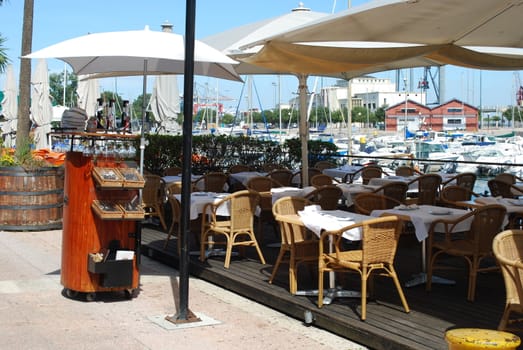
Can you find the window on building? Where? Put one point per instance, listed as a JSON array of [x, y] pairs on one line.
[[454, 121], [454, 109]]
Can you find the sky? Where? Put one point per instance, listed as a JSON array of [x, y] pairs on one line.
[[58, 20]]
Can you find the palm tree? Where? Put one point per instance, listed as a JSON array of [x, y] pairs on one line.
[[22, 130], [3, 56]]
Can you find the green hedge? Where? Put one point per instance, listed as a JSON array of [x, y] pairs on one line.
[[218, 153]]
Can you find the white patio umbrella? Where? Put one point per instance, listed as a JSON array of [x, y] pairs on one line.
[[88, 93], [137, 52], [165, 102], [9, 106], [41, 107]]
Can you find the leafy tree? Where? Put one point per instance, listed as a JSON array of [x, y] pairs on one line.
[[4, 60], [56, 89]]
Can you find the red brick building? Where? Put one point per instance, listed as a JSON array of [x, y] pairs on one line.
[[452, 115]]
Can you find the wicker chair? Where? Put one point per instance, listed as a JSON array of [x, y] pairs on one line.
[[328, 197], [263, 185], [369, 172], [428, 188], [466, 180], [152, 198], [322, 180], [508, 178], [397, 190], [301, 247], [175, 223], [378, 248], [311, 173], [365, 203], [271, 167], [499, 188], [406, 171], [283, 176], [508, 250], [213, 182], [473, 245], [237, 229], [449, 195], [325, 164]]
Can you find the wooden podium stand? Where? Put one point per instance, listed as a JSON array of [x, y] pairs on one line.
[[90, 239]]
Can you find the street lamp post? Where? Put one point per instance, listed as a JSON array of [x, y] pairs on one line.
[[406, 109]]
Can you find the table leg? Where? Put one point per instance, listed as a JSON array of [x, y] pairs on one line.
[[421, 278]]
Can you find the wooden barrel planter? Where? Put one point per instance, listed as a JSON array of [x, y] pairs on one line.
[[31, 200]]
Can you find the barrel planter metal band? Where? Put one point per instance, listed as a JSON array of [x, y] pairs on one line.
[[31, 200]]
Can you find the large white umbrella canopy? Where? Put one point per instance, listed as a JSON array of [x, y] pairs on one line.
[[137, 52], [88, 93], [9, 105], [41, 107], [232, 42], [165, 102]]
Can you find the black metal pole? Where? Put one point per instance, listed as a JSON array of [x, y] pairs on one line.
[[188, 83]]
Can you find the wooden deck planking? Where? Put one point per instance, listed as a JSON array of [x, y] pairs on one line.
[[387, 325]]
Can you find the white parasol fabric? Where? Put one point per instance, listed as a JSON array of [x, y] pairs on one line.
[[41, 107], [88, 94], [137, 52], [9, 106], [165, 102]]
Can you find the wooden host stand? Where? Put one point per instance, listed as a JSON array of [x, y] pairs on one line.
[[98, 220]]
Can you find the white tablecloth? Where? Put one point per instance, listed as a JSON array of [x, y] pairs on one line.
[[244, 176], [393, 178], [280, 192], [352, 190], [422, 217], [199, 199], [318, 220], [341, 172]]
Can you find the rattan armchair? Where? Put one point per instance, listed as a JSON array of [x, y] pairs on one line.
[[311, 173], [172, 171], [508, 178], [325, 164], [396, 189], [322, 180], [297, 243], [237, 230], [328, 197], [213, 182], [508, 250], [238, 168], [366, 202], [263, 185], [152, 198], [379, 241], [428, 188], [174, 229], [367, 173], [500, 188], [283, 176], [449, 195], [466, 180], [406, 171], [473, 245]]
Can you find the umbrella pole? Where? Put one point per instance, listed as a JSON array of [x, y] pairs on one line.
[[184, 314], [144, 112], [304, 129]]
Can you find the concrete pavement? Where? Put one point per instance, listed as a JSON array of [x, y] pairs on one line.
[[35, 315]]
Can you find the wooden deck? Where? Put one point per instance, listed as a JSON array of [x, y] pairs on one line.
[[387, 325]]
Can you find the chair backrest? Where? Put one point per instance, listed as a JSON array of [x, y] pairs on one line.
[[466, 180], [404, 171], [173, 188], [455, 193], [271, 167], [238, 168], [328, 197], [508, 250], [500, 188], [325, 164], [283, 176], [172, 171], [312, 172], [290, 232], [397, 190], [506, 177], [214, 181], [242, 208], [379, 240], [487, 223], [365, 203], [370, 172], [261, 183], [428, 187], [152, 190], [321, 180]]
